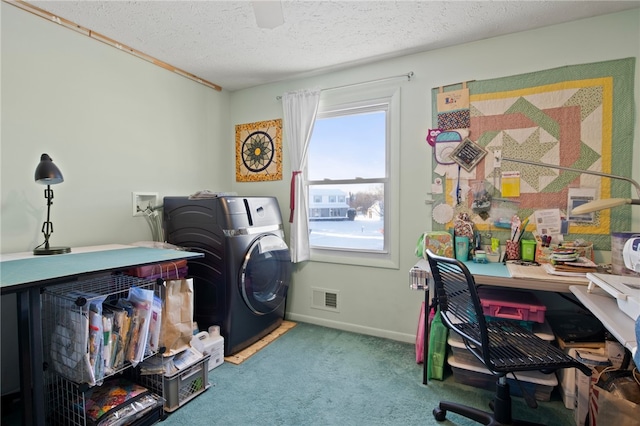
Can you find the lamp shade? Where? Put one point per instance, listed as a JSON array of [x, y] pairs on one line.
[[596, 204], [607, 203], [48, 173]]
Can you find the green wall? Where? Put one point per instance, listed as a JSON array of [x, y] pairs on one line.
[[378, 301], [115, 124]]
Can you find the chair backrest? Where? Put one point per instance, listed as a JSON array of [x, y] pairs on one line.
[[460, 306]]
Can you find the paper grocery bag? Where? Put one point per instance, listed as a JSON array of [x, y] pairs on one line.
[[605, 408], [177, 316]]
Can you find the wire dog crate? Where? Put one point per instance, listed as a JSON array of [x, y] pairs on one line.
[[75, 358]]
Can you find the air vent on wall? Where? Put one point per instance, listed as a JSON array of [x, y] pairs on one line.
[[324, 299]]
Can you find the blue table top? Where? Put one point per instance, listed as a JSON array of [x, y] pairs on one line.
[[18, 274], [489, 269], [497, 269]]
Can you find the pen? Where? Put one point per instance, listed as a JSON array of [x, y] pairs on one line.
[[523, 228]]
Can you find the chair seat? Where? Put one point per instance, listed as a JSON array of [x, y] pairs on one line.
[[514, 348]]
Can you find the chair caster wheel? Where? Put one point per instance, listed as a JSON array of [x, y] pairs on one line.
[[439, 415]]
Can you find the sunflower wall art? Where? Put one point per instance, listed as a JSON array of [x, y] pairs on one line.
[[259, 151]]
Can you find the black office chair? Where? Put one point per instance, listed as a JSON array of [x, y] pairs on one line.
[[502, 346]]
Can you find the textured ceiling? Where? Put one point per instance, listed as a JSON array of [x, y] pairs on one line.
[[220, 42]]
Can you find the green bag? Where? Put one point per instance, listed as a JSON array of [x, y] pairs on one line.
[[437, 348]]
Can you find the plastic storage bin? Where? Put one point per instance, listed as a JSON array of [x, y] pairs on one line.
[[185, 385], [462, 354], [181, 387], [511, 304], [468, 370], [535, 383], [166, 270]]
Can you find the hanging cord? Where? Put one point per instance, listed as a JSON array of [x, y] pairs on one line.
[[634, 373], [175, 267], [154, 220]]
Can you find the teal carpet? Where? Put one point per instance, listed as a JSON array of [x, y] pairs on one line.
[[320, 376]]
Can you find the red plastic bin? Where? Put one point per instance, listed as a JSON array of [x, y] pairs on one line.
[[168, 270], [511, 304]]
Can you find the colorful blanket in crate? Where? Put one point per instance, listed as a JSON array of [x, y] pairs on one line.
[[117, 394]]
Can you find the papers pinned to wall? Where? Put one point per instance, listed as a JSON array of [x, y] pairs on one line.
[[548, 222], [510, 184], [578, 197]]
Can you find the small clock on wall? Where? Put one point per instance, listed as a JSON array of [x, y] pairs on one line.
[[259, 151]]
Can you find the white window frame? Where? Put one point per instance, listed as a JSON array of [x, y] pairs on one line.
[[332, 102]]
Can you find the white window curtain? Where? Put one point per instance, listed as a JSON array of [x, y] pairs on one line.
[[300, 109]]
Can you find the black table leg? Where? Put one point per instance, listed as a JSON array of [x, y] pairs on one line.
[[31, 359]]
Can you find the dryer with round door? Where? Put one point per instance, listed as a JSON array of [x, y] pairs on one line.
[[241, 282]]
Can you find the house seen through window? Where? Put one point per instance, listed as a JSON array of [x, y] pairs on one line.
[[347, 177]]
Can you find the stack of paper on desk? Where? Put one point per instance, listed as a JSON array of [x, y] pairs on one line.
[[582, 264], [579, 267]]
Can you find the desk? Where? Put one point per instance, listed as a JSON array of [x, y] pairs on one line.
[[605, 308], [498, 274], [25, 275], [517, 276]]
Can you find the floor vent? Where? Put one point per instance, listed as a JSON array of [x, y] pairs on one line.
[[325, 299]]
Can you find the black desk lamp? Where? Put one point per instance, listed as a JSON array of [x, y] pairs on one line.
[[48, 174]]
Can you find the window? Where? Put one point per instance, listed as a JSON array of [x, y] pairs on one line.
[[349, 176]]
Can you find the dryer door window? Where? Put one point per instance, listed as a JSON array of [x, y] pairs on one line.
[[265, 274]]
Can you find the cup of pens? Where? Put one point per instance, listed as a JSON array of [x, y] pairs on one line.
[[512, 251]]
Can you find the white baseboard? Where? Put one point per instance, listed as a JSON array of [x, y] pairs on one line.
[[378, 332]]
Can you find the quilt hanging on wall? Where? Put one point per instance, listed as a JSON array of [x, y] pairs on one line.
[[259, 151], [578, 116]]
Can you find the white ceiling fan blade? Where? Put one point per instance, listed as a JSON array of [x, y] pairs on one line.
[[268, 13]]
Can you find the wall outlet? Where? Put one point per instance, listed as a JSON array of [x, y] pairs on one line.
[[142, 201]]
